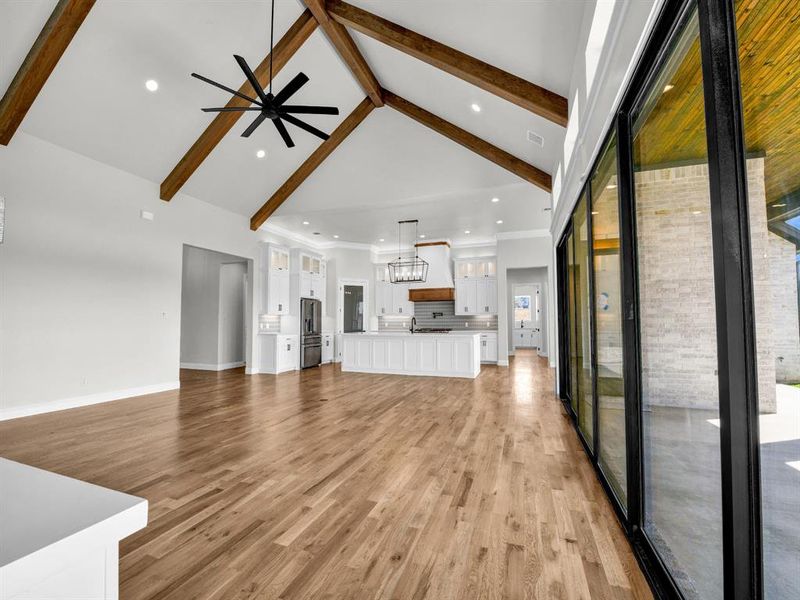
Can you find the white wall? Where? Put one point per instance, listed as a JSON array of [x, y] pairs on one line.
[[522, 253], [518, 277], [612, 36], [347, 263], [90, 294], [212, 323]]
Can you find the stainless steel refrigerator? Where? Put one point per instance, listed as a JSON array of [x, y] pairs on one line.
[[310, 333]]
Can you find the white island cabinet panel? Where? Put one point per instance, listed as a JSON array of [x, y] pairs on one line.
[[60, 536], [444, 355]]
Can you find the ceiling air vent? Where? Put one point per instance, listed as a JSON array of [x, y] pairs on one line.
[[535, 138]]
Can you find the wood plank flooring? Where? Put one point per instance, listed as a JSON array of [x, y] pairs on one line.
[[323, 484]]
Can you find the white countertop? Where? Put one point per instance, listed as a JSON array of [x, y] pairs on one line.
[[409, 334], [39, 509]]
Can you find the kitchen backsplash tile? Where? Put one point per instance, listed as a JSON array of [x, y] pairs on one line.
[[423, 311]]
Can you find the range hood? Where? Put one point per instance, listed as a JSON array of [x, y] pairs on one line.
[[439, 284]]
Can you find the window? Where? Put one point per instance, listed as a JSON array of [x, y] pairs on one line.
[[583, 359], [522, 308], [608, 320], [678, 345]]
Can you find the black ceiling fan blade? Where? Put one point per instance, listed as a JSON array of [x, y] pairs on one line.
[[251, 77], [306, 126], [284, 134], [226, 88], [231, 109], [299, 109], [254, 125], [295, 84]]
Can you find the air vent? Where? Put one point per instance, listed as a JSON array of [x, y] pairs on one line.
[[535, 138]]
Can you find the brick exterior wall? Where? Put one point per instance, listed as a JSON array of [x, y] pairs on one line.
[[676, 290]]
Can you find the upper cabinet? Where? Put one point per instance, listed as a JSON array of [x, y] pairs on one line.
[[476, 286], [391, 298], [468, 268], [275, 290], [312, 276]]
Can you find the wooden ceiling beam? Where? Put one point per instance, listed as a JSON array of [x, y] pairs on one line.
[[55, 36], [322, 152], [501, 83], [500, 157], [347, 50], [294, 38]]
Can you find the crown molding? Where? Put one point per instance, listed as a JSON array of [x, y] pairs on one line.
[[519, 235]]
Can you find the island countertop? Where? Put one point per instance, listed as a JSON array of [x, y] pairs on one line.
[[60, 535], [451, 354]]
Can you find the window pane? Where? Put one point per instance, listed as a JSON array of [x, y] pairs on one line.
[[608, 320], [583, 358], [573, 344], [769, 47], [679, 381]]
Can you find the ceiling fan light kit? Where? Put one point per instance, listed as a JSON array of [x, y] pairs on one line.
[[271, 106]]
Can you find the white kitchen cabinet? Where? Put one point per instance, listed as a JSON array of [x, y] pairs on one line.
[[279, 353], [486, 294], [476, 286], [327, 347], [401, 305], [446, 355], [466, 301], [489, 347], [275, 280], [392, 299], [524, 337], [278, 293]]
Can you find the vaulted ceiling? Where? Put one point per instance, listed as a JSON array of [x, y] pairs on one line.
[[389, 167]]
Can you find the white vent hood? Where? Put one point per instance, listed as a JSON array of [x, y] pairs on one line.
[[440, 273]]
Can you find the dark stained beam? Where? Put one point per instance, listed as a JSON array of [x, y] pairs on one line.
[[298, 33], [500, 157], [312, 162], [45, 53], [528, 95], [347, 50]]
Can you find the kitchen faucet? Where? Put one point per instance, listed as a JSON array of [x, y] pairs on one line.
[[413, 323]]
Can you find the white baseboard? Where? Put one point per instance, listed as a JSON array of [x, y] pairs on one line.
[[502, 363], [77, 401], [251, 371], [212, 367]]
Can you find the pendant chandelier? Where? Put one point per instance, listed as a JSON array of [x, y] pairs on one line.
[[410, 269]]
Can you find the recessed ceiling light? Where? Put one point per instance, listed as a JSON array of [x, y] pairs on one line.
[[261, 154], [467, 231], [381, 240], [336, 237], [594, 212], [305, 222], [151, 85], [695, 212], [668, 87], [499, 221], [611, 186], [422, 235], [475, 107], [495, 199], [778, 205]]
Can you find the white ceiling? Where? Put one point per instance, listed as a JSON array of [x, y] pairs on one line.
[[389, 168]]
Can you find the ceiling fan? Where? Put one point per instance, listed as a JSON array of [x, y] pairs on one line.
[[272, 106]]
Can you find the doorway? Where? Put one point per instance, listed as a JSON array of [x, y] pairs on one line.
[[527, 325], [353, 309], [215, 292]]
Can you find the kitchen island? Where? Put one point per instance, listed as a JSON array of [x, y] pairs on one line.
[[59, 536], [454, 354]]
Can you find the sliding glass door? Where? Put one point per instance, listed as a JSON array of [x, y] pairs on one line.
[[583, 339], [608, 320]]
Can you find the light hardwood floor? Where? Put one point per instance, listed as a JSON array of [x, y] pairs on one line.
[[323, 484]]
